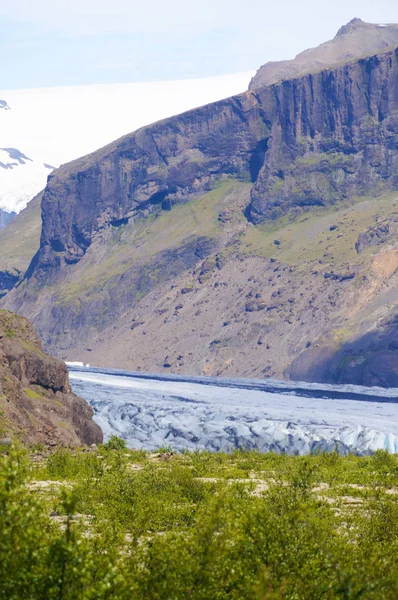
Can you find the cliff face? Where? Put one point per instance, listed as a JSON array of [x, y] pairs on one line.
[[139, 231], [305, 142], [36, 401], [334, 136], [165, 164]]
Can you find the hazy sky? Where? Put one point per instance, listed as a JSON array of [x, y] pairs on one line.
[[58, 42]]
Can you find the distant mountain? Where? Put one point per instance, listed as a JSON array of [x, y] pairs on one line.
[[255, 236], [353, 41], [43, 128]]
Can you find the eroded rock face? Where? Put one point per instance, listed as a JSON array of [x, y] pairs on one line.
[[334, 135], [306, 142], [384, 232], [371, 359], [37, 404]]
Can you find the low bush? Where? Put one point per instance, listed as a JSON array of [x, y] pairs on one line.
[[128, 525]]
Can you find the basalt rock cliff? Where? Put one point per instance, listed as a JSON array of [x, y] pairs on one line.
[[253, 205], [36, 401], [306, 142]]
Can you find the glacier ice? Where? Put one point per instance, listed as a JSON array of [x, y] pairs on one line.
[[200, 413]]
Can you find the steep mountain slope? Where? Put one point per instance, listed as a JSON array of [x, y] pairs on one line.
[[36, 402], [254, 236], [19, 241], [36, 136], [5, 218], [353, 41]]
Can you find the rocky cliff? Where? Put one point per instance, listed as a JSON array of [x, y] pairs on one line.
[[204, 204], [306, 142], [36, 401]]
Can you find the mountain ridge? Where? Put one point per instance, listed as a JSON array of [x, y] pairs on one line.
[[283, 181], [357, 39]]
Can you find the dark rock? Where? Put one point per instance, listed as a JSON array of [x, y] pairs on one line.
[[376, 236], [339, 277], [35, 396], [255, 305]]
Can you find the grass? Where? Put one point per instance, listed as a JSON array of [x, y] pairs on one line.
[[138, 242], [21, 239], [33, 395], [309, 238], [125, 524]]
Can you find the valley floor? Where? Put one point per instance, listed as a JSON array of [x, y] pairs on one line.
[[111, 523]]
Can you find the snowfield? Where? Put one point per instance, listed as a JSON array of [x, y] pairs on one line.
[[52, 126], [217, 414]]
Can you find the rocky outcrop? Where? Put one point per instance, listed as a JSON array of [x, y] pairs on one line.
[[36, 401], [334, 136], [384, 232], [370, 359]]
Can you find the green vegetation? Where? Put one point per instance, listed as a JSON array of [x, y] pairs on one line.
[[21, 239], [113, 523], [138, 242], [308, 238], [33, 395]]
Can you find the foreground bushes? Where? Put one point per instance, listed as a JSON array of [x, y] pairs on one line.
[[130, 526]]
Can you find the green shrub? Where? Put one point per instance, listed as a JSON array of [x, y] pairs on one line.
[[115, 443], [130, 526]]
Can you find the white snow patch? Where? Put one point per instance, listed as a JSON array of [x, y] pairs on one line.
[[57, 125], [75, 363]]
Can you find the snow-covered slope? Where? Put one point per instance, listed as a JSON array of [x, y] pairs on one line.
[[43, 128], [219, 414], [20, 178]]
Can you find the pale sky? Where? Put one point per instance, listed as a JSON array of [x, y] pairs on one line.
[[69, 42]]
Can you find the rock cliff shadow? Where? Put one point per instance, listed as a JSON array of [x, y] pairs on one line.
[[370, 360]]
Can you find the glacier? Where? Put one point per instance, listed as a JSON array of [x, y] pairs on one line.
[[150, 411]]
